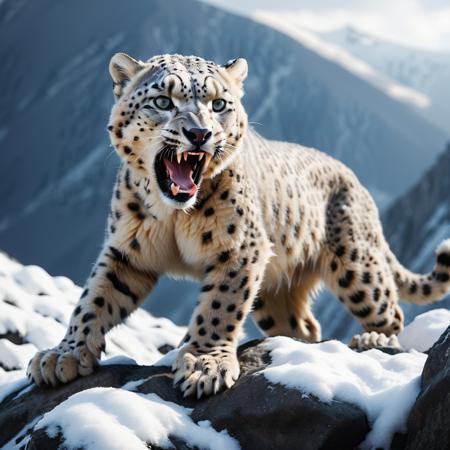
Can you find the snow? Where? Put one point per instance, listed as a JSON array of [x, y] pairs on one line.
[[384, 386], [14, 356], [11, 382], [109, 418], [425, 330]]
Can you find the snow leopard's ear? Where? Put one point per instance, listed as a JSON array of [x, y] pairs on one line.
[[237, 70], [122, 68]]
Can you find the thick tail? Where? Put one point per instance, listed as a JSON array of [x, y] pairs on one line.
[[417, 288]]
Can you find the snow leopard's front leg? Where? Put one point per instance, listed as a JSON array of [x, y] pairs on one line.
[[208, 361], [114, 290]]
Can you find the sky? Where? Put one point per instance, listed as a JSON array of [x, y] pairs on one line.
[[415, 23]]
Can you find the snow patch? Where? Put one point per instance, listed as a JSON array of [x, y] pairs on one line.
[[109, 418], [384, 386], [425, 330], [11, 382], [15, 356]]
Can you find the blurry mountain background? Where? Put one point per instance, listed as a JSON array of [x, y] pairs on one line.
[[379, 106], [427, 72]]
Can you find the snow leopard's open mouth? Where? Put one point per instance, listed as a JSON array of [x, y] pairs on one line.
[[179, 174]]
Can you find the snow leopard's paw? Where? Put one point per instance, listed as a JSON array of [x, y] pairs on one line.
[[372, 339], [205, 374], [59, 365]]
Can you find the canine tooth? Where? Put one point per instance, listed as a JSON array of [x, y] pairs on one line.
[[200, 156], [179, 157], [174, 188], [208, 158], [185, 155]]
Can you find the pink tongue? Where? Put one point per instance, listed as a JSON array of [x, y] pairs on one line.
[[180, 174]]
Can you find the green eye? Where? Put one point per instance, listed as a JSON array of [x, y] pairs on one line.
[[218, 105], [163, 102]]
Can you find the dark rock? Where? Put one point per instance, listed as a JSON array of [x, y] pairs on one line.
[[437, 366], [398, 441], [258, 414], [14, 337], [263, 417], [429, 420], [41, 440], [253, 356], [166, 348]]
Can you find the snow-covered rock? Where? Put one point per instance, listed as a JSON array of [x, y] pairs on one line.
[[383, 386], [130, 406], [128, 420], [289, 391], [425, 330]]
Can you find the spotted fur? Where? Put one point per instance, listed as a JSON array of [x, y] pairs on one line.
[[268, 222]]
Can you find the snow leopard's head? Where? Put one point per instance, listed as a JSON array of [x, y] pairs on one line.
[[177, 119]]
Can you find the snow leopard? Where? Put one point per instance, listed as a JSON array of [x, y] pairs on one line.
[[260, 224]]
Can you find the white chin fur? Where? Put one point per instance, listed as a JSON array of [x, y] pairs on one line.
[[177, 205]]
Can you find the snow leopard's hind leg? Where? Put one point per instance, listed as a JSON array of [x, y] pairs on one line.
[[354, 266], [285, 310]]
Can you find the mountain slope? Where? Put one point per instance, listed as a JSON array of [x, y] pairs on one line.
[[419, 221], [426, 71], [414, 226], [56, 166]]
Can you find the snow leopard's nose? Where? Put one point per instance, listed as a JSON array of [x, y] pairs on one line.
[[197, 136]]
